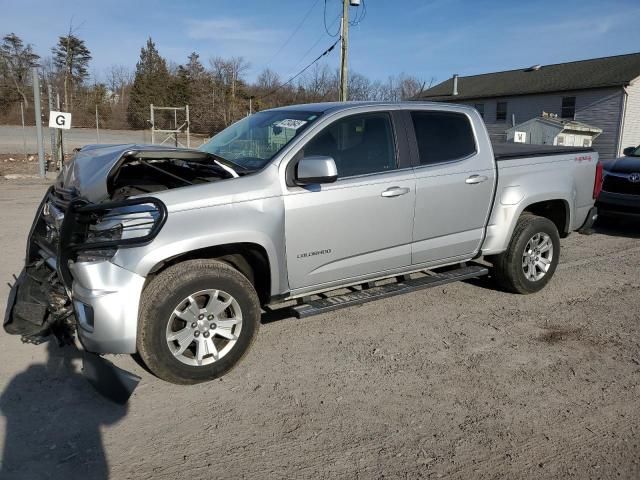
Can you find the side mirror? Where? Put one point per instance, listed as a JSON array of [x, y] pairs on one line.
[[629, 151], [316, 169]]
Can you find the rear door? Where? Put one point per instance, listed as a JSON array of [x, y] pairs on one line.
[[455, 181], [361, 224]]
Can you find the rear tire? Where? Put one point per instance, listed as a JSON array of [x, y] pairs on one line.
[[197, 321], [531, 257]]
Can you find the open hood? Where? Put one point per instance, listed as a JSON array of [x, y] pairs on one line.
[[110, 172]]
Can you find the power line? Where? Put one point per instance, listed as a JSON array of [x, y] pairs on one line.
[[326, 52], [363, 13], [324, 18], [304, 19], [320, 38]]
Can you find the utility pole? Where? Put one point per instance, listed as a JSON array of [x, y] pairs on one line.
[[344, 50]]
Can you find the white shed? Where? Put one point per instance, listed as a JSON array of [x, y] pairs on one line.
[[551, 130]]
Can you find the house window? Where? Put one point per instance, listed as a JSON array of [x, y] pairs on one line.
[[501, 111], [480, 108], [568, 107]]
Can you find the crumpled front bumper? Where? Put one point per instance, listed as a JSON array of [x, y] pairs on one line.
[[106, 299], [99, 298]]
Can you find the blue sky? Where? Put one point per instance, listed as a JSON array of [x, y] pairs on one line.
[[428, 38]]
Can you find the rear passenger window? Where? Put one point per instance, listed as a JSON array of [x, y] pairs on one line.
[[359, 144], [443, 136]]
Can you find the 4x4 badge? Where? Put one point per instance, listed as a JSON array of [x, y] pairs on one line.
[[634, 177]]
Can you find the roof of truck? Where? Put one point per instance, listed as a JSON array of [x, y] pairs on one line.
[[335, 106]]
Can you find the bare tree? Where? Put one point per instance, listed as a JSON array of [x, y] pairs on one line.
[[268, 80], [409, 86], [228, 77], [119, 78]]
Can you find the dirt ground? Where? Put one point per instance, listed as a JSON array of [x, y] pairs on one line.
[[462, 381], [11, 164]]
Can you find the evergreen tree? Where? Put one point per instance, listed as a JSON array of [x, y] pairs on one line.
[[16, 60], [195, 69], [71, 57], [180, 93], [151, 84]]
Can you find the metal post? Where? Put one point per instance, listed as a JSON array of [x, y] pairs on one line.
[[153, 138], [38, 115], [59, 145], [97, 127], [344, 50], [24, 134], [52, 132], [186, 109]]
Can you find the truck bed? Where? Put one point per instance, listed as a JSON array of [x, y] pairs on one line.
[[508, 151]]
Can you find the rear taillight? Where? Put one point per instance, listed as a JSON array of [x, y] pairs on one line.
[[597, 184]]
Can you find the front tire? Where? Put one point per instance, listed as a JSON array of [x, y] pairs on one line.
[[531, 257], [197, 321]]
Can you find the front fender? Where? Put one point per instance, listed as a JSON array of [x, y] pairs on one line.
[[260, 222]]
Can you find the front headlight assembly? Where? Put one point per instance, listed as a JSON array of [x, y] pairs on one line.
[[94, 232]]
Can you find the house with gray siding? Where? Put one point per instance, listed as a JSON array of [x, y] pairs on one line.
[[603, 92]]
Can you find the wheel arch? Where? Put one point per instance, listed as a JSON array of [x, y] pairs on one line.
[[250, 259], [556, 210]]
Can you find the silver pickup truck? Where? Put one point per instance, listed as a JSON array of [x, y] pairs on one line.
[[174, 253]]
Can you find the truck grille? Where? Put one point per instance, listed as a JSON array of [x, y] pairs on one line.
[[46, 230], [620, 184]]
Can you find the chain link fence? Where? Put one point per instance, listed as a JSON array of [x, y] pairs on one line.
[[97, 118]]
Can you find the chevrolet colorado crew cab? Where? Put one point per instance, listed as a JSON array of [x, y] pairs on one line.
[[173, 253]]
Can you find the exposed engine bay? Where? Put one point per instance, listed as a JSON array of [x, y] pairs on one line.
[[99, 173], [147, 172]]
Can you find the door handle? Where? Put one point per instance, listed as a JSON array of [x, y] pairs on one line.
[[395, 192], [474, 179]]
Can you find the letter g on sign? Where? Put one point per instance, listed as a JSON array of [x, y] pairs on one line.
[[59, 120]]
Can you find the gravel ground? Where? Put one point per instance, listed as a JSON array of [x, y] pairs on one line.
[[459, 382]]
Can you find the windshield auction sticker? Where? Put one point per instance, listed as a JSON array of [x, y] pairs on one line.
[[290, 123]]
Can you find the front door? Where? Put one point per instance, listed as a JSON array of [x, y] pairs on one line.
[[361, 224]]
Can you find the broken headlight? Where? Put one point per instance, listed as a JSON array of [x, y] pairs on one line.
[[95, 232]]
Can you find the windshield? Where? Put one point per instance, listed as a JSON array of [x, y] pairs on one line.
[[255, 140]]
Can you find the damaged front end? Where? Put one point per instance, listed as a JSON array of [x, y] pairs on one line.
[[68, 230], [39, 302], [94, 209], [70, 287]]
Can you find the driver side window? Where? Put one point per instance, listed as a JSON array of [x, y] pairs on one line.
[[360, 144]]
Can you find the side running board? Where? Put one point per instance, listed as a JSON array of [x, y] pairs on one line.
[[404, 284]]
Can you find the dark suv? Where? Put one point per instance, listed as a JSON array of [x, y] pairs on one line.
[[620, 195]]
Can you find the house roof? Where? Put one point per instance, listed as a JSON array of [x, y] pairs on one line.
[[595, 73]]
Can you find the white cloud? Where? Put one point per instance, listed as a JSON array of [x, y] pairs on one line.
[[230, 30]]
